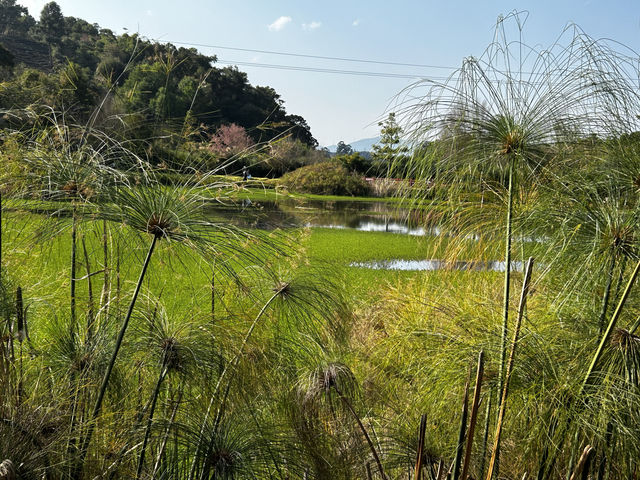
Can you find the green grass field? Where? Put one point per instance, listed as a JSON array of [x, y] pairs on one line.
[[37, 252]]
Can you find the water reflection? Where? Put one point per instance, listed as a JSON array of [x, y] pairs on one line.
[[382, 226], [288, 213], [432, 265]]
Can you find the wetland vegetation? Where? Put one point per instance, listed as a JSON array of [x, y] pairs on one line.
[[166, 320]]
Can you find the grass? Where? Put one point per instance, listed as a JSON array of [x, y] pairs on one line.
[[337, 248], [183, 279], [269, 194]]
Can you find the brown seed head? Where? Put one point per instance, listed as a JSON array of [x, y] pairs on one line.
[[512, 143], [625, 341], [158, 226], [171, 352], [283, 289]]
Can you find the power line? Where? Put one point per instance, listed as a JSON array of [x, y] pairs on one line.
[[321, 57], [326, 70]]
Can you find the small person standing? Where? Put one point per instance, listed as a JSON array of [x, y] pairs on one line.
[[245, 173]]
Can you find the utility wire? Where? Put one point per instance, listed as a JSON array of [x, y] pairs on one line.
[[326, 70], [321, 57]]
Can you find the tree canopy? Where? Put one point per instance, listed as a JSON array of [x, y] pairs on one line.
[[81, 64]]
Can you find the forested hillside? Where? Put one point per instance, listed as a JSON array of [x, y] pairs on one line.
[[153, 90]]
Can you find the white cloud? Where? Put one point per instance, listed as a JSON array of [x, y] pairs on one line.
[[311, 26], [356, 22], [279, 24]]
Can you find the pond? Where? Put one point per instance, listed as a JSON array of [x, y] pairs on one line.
[[367, 216]]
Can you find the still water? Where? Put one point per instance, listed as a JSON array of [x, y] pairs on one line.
[[291, 213], [356, 215]]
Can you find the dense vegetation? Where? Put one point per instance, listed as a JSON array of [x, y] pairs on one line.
[[142, 337], [326, 178], [158, 94]]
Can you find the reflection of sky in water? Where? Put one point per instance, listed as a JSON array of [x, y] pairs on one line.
[[390, 227], [431, 265], [359, 216]]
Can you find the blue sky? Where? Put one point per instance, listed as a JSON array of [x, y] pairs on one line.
[[348, 107]]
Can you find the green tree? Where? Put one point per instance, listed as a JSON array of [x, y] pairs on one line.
[[343, 148], [14, 19], [355, 162], [299, 129], [52, 23], [388, 150]]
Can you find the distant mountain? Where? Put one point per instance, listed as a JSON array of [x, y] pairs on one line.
[[363, 145]]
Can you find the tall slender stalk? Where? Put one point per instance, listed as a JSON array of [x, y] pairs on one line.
[[507, 280], [507, 290], [485, 435], [609, 330], [90, 306], [84, 444], [118, 288], [372, 447], [605, 297], [233, 364], [163, 444], [21, 336], [461, 432], [104, 298], [213, 292], [516, 332], [421, 433], [154, 399], [474, 415], [74, 233]]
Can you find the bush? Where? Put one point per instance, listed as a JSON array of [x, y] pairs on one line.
[[355, 162], [325, 178]]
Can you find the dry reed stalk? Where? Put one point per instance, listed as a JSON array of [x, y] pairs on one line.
[[462, 431], [21, 336], [440, 469], [582, 469], [474, 415], [369, 474], [421, 432]]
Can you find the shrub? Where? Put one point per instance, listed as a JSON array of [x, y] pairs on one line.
[[285, 155], [355, 162], [325, 178]]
